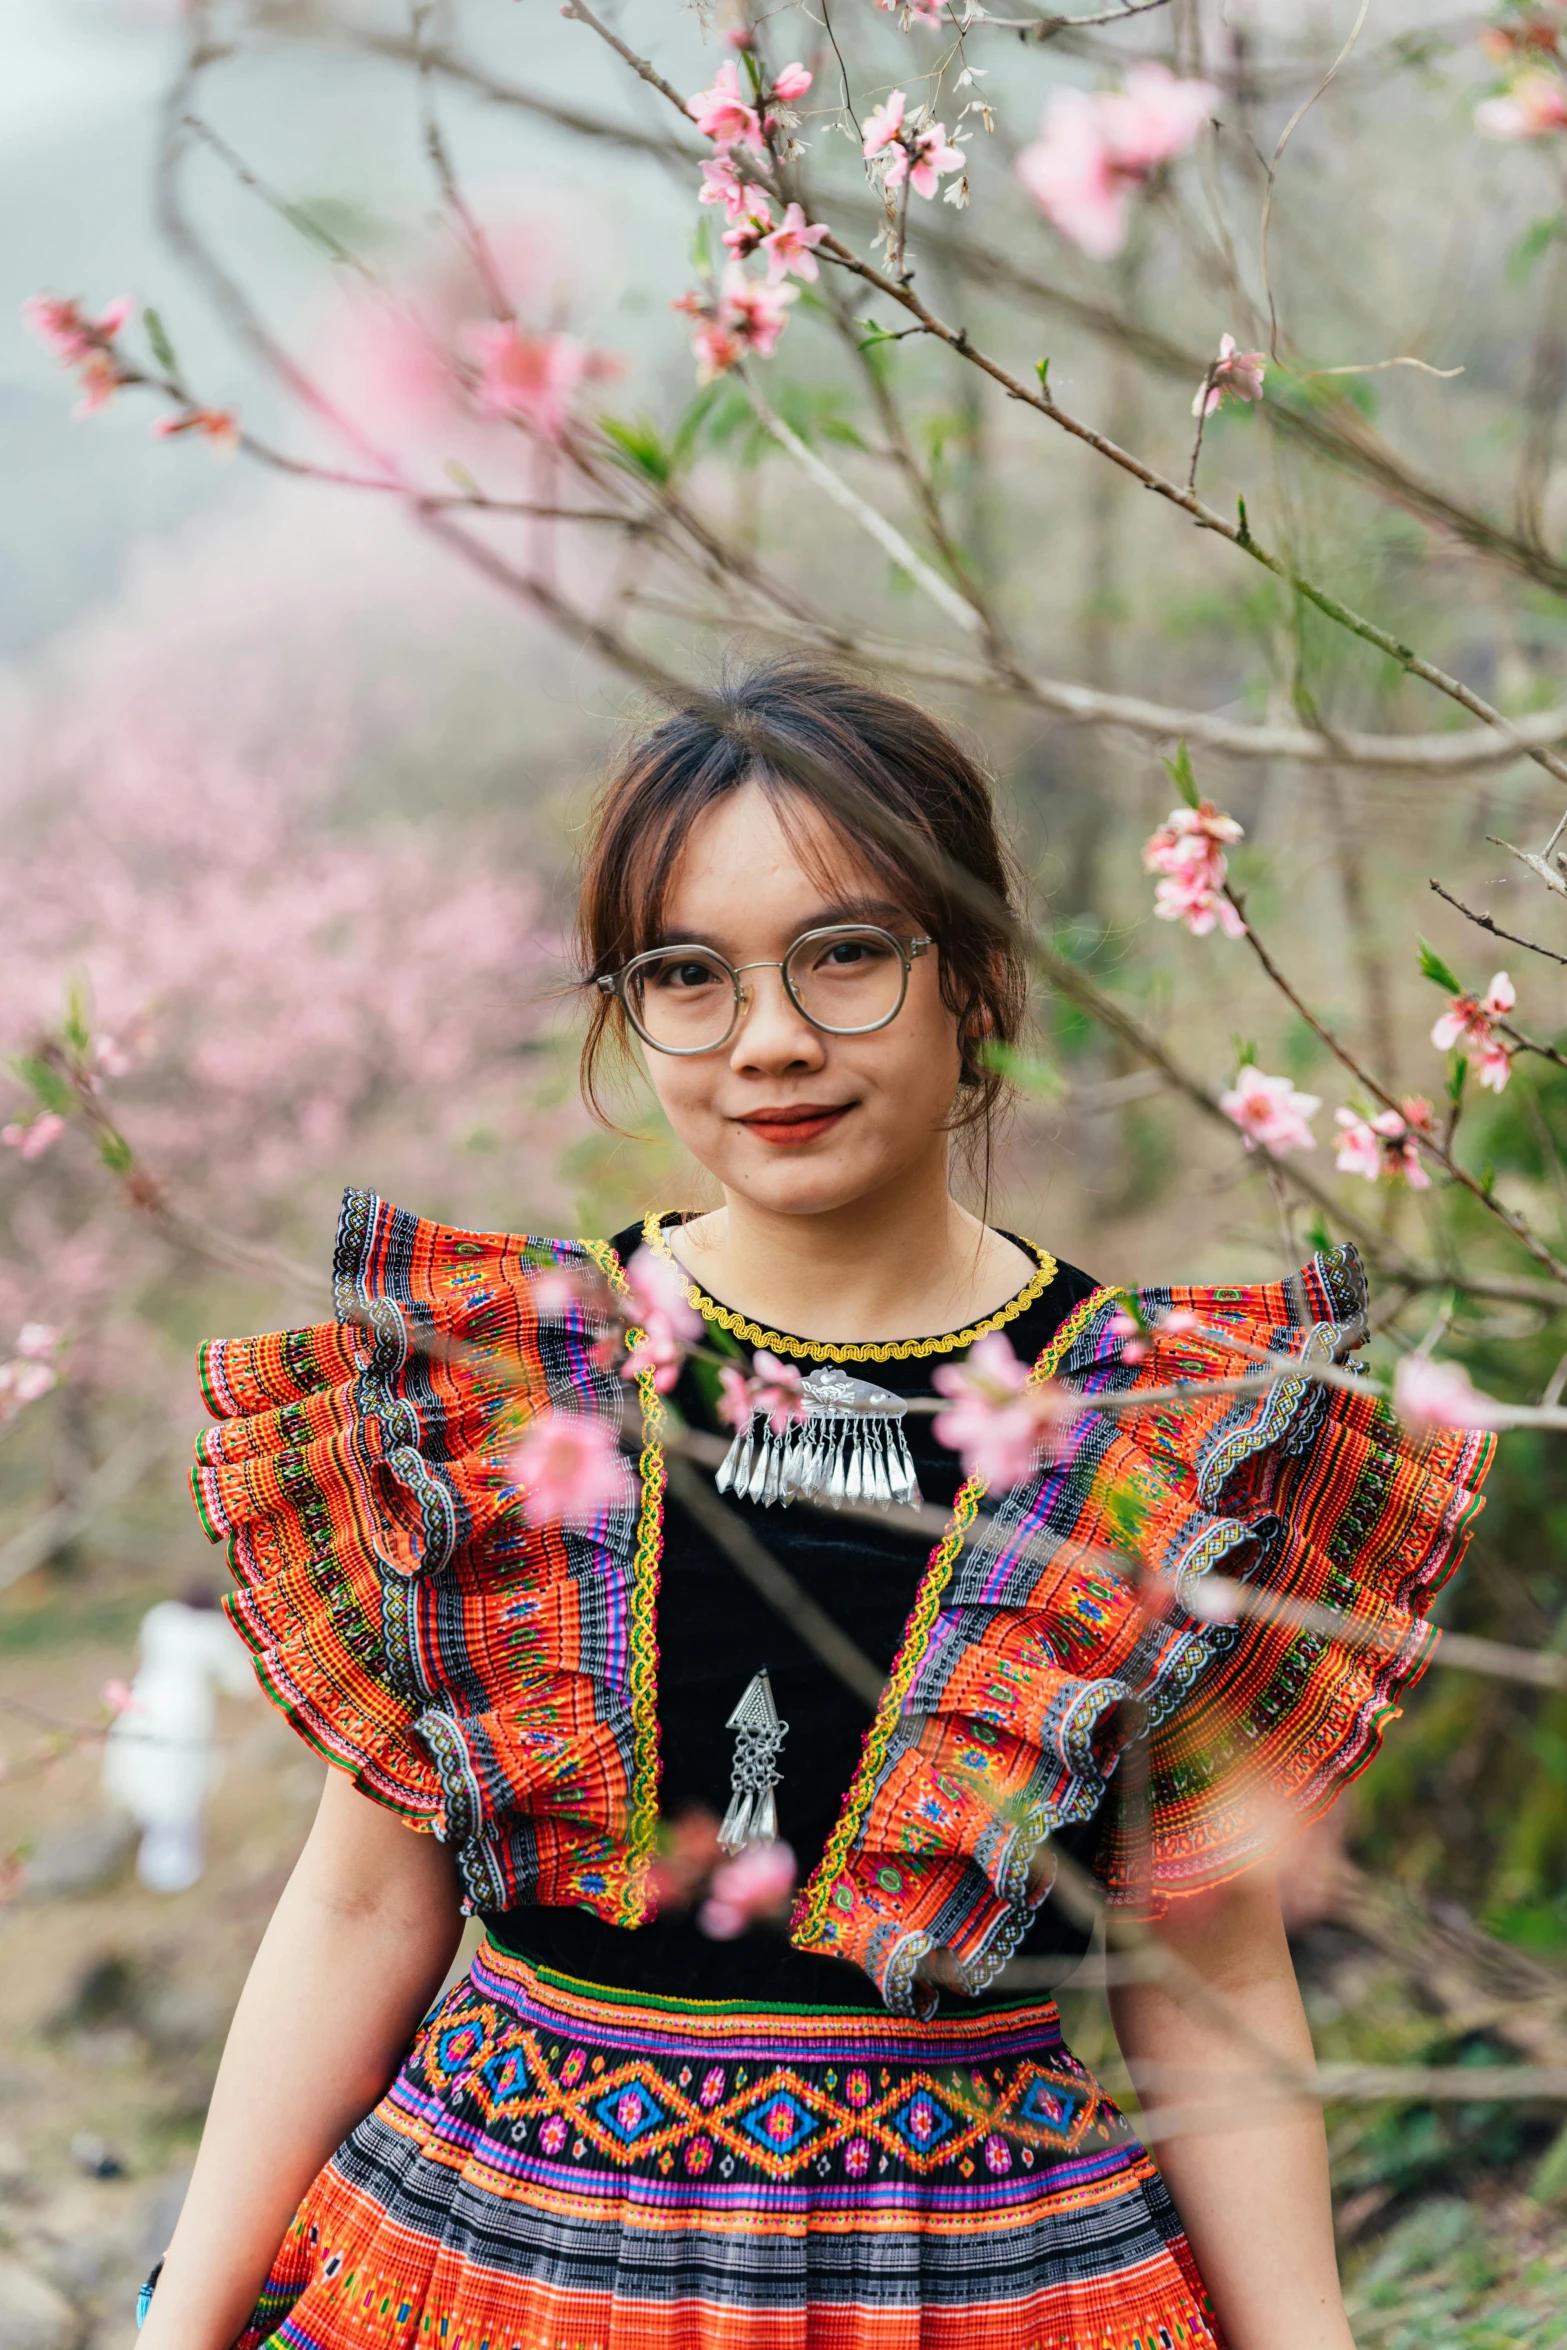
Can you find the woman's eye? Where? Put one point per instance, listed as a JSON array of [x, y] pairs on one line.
[[684, 976], [848, 954]]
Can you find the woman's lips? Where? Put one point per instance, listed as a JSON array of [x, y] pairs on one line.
[[799, 1123]]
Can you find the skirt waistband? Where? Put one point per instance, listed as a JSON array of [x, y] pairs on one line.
[[592, 2011]]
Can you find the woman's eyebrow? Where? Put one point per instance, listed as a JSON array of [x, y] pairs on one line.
[[878, 910]]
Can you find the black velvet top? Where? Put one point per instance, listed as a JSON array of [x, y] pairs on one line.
[[715, 1631]]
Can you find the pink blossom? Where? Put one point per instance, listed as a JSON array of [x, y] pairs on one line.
[[756, 1884], [723, 184], [883, 124], [723, 113], [570, 1470], [659, 1349], [791, 83], [750, 228], [1428, 1394], [555, 1293], [529, 379], [1534, 106], [656, 1285], [1237, 374], [61, 328], [1001, 1417], [214, 424], [118, 1696], [23, 1383], [1126, 1327], [39, 1134], [926, 12], [1094, 148], [791, 247], [98, 379], [1188, 851], [736, 1401], [922, 157], [1270, 1113], [1468, 1022], [755, 313], [1386, 1144], [716, 346], [777, 1389], [37, 1341]]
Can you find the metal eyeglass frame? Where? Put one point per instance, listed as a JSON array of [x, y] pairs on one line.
[[616, 983]]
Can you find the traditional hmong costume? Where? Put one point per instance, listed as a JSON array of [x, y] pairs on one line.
[[618, 2134]]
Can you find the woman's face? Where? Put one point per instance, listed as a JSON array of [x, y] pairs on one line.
[[785, 1115]]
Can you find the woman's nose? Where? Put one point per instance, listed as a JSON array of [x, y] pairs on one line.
[[773, 1034]]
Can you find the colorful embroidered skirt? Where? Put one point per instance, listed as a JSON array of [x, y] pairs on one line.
[[562, 2168]]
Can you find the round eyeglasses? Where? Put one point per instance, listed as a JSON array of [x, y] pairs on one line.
[[848, 979]]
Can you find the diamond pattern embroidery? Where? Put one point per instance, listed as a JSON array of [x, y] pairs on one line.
[[780, 2124]]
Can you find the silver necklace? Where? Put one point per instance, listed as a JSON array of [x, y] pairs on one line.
[[849, 1447], [752, 1817]]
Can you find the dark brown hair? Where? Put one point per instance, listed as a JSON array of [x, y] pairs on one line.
[[853, 752]]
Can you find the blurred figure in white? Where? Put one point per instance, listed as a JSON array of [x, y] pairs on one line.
[[159, 1762]]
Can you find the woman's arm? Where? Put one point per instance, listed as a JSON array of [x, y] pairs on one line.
[[355, 1952], [1253, 2196]]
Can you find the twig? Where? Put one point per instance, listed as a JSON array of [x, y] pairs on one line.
[[118, 1476], [1484, 922], [1285, 135], [471, 233]]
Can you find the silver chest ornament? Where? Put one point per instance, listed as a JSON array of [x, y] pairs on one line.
[[849, 1447], [752, 1817]]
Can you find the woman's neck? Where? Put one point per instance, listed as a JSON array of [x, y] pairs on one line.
[[879, 1268]]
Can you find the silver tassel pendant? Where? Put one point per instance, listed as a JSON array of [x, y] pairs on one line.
[[752, 1817], [850, 1447]]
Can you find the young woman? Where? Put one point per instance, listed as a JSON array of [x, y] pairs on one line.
[[616, 2132]]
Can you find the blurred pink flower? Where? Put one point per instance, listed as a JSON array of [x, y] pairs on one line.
[[1532, 108], [530, 379], [555, 1292], [657, 1285], [723, 184], [1237, 374], [24, 1383], [60, 326], [1270, 1113], [1468, 1022], [735, 1400], [1001, 1417], [32, 1139], [723, 113], [1095, 147], [791, 247], [570, 1470], [1126, 1327], [98, 379], [777, 1389], [791, 83], [37, 1341], [756, 1885], [660, 1349], [1386, 1145], [214, 424], [1428, 1394], [883, 123], [1188, 850], [118, 1696]]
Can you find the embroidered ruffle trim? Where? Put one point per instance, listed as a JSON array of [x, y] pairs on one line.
[[490, 1680], [1029, 1649]]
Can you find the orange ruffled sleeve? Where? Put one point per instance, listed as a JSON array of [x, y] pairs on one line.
[[1048, 1624], [488, 1679]]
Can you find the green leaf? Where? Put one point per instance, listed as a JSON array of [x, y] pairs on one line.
[[77, 1029], [1245, 1052], [460, 478], [1042, 370], [1179, 770], [641, 448], [1318, 1235], [1458, 1078], [689, 430], [116, 1153], [43, 1080], [1041, 1078], [1432, 967], [875, 336], [158, 339], [1536, 239]]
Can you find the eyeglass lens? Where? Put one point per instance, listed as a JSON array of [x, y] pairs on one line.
[[842, 979]]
